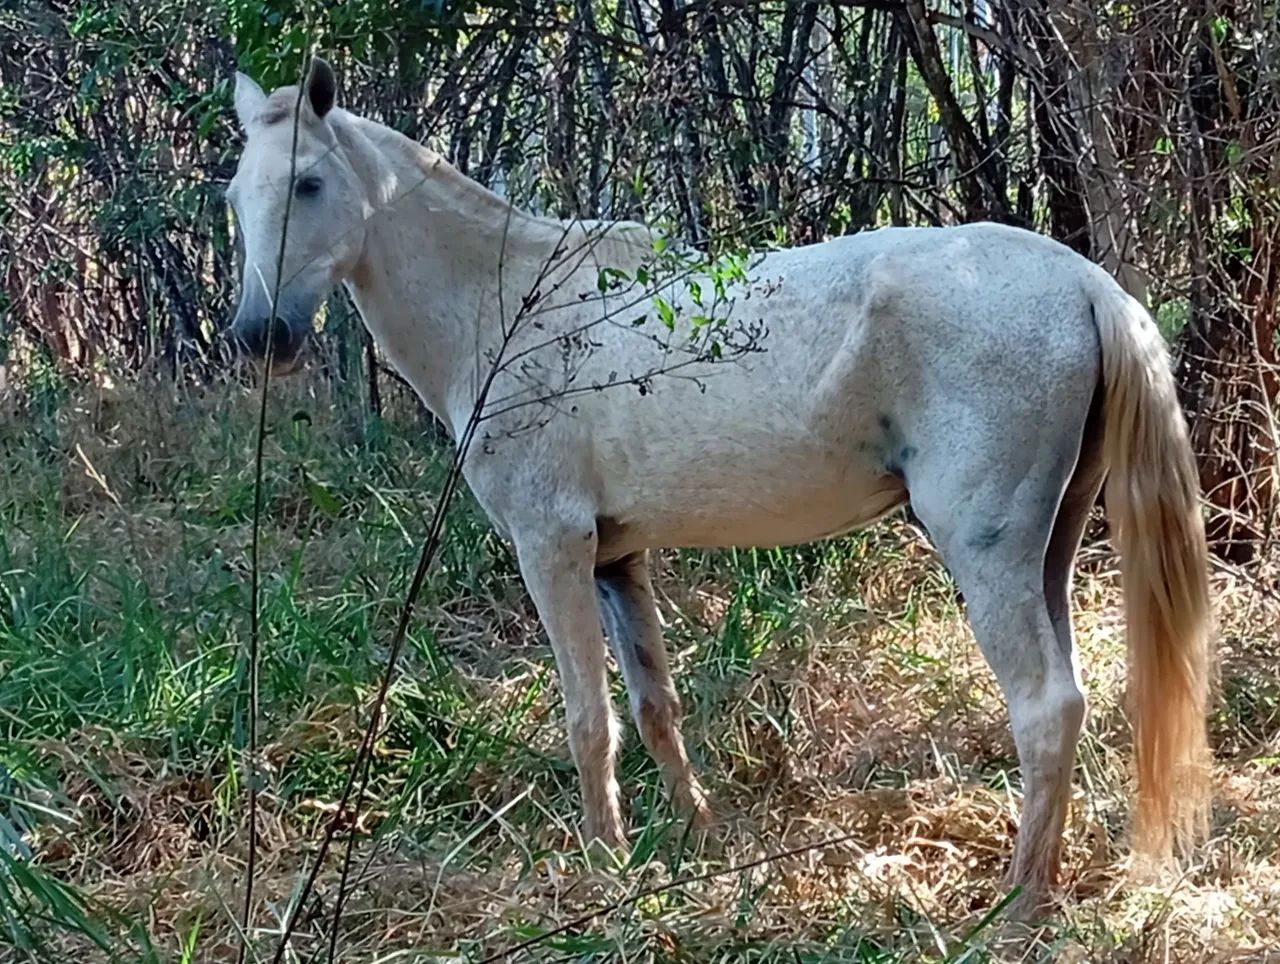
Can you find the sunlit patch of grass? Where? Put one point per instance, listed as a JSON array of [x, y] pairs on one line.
[[834, 701]]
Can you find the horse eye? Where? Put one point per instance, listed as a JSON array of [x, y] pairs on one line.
[[307, 186]]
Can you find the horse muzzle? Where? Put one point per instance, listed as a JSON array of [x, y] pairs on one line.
[[278, 342]]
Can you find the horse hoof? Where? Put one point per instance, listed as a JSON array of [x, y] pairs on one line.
[[607, 846], [1032, 905], [692, 805]]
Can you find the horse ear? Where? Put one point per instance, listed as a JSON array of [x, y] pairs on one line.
[[249, 99], [322, 86]]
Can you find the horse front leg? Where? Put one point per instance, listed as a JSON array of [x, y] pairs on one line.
[[631, 620], [557, 567]]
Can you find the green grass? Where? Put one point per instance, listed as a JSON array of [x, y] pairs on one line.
[[827, 688]]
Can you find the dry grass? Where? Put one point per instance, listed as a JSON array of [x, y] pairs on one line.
[[831, 694]]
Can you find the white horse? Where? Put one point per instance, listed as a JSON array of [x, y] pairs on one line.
[[991, 376]]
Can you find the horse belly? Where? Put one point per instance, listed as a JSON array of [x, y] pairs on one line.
[[726, 498]]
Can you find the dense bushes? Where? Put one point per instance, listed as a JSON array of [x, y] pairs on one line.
[[1144, 138]]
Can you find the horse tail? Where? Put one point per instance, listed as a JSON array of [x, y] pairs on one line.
[[1152, 500]]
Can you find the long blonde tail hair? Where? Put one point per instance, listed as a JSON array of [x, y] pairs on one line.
[[1152, 499]]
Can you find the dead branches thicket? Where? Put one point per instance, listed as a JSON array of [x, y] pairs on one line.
[[1145, 136]]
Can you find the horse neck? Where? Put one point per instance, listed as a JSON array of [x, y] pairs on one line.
[[444, 258]]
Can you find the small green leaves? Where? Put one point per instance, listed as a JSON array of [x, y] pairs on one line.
[[611, 278], [666, 313], [323, 499]]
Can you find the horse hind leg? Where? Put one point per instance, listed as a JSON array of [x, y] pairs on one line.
[[995, 548], [631, 621]]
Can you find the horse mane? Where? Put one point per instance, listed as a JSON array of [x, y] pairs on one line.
[[453, 182]]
